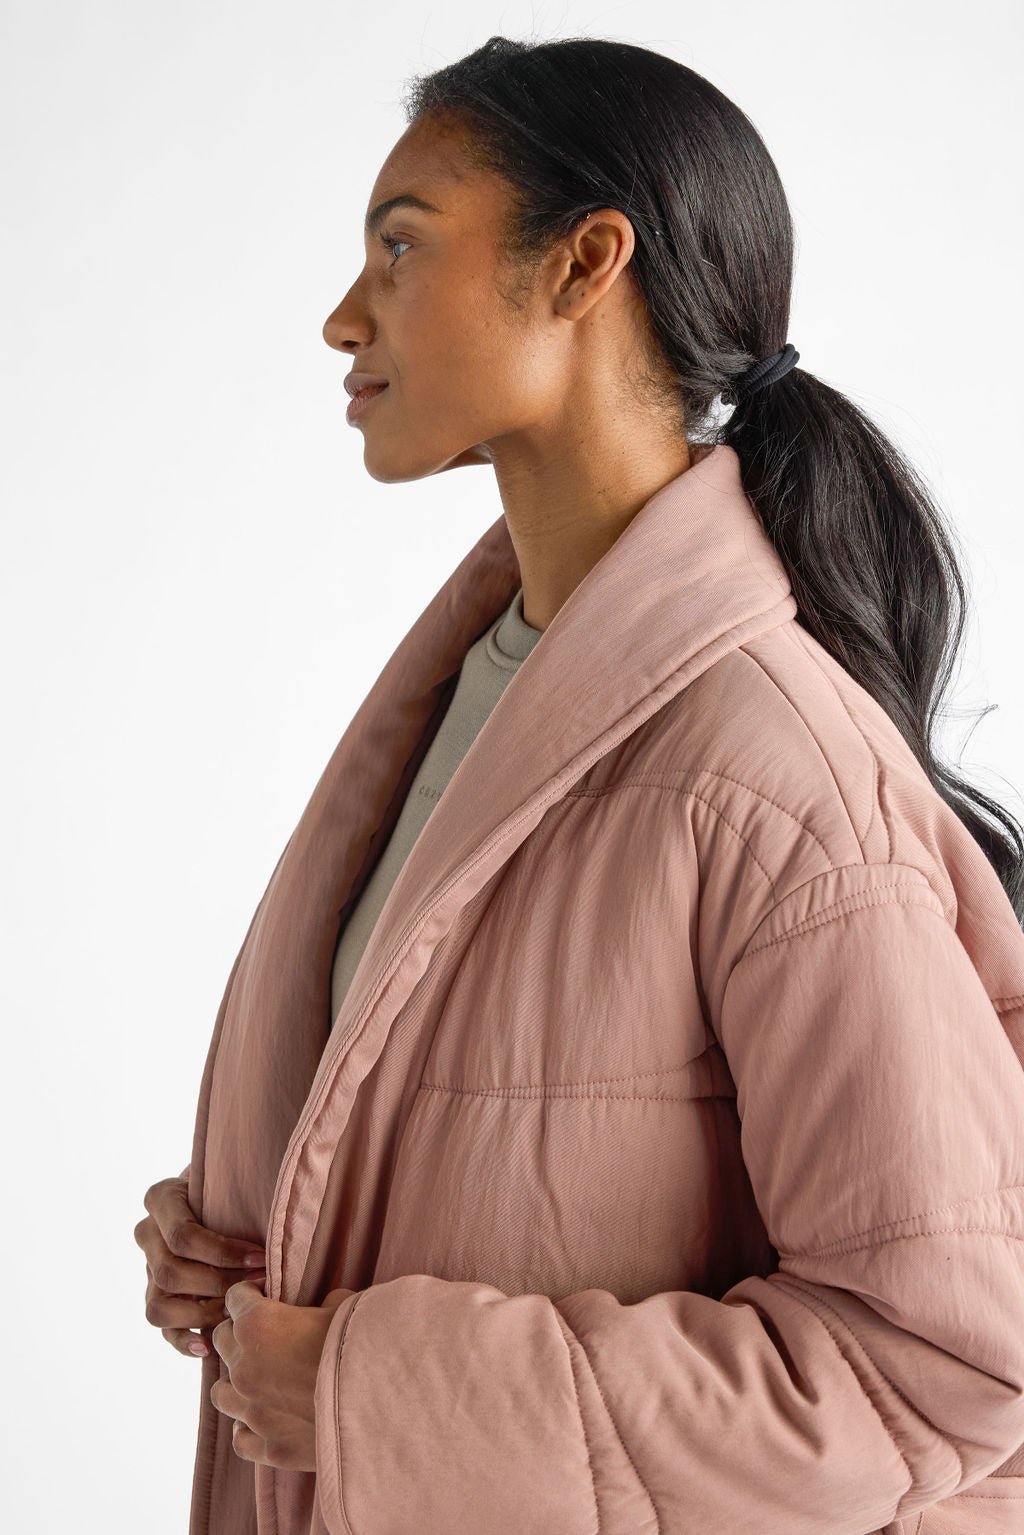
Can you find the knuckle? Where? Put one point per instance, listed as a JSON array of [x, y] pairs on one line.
[[272, 1446], [177, 1238], [280, 1453], [242, 1377], [152, 1195], [156, 1316], [248, 1330], [164, 1276], [256, 1419]]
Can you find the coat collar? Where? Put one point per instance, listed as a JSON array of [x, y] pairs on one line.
[[692, 576]]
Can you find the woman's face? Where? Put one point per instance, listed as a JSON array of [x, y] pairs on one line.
[[467, 368]]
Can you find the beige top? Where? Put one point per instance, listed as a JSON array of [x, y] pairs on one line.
[[486, 671]]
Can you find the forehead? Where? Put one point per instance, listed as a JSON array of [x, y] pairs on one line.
[[428, 163], [428, 147]]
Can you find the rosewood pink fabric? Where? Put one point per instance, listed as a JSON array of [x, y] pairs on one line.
[[671, 1133]]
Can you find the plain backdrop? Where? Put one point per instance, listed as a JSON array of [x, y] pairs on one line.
[[200, 581]]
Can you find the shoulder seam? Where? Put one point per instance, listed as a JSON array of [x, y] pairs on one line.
[[876, 799], [921, 894], [859, 837], [676, 788], [668, 780]]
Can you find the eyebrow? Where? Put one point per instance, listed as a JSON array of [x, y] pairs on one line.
[[376, 217]]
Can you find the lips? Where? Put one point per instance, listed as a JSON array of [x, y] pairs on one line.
[[357, 380], [362, 399]]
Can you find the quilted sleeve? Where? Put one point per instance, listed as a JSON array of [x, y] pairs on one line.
[[878, 1370]]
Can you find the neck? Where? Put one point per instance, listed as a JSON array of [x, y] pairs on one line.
[[566, 510]]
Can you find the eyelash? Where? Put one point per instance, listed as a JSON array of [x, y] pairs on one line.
[[390, 239]]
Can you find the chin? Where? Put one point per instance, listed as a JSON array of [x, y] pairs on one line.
[[396, 469]]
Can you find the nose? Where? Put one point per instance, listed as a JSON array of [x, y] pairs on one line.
[[345, 328], [332, 331]]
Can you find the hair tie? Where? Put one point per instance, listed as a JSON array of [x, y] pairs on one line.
[[765, 372]]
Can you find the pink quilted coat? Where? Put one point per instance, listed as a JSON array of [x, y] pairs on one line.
[[672, 1131]]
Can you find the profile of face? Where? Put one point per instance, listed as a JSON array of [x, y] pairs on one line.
[[476, 368]]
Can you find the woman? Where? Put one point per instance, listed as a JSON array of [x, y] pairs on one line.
[[621, 1072]]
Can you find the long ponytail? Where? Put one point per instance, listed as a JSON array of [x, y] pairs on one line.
[[583, 123], [873, 569]]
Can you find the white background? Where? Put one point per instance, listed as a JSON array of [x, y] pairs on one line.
[[200, 581]]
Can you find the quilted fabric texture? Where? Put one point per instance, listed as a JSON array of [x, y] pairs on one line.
[[671, 1133]]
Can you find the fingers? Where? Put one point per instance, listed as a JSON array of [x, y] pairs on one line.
[[163, 1310], [186, 1342], [189, 1268], [167, 1202], [180, 1276], [184, 1257], [175, 1315]]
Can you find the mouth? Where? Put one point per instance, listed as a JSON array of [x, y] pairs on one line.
[[362, 400]]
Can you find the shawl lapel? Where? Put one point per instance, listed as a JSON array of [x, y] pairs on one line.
[[691, 577]]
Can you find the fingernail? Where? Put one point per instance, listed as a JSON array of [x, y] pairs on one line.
[[254, 1260], [198, 1348]]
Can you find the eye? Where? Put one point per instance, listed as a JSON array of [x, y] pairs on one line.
[[389, 240]]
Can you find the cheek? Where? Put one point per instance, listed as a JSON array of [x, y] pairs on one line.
[[460, 368], [465, 371]]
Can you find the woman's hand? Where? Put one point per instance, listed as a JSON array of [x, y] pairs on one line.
[[272, 1351], [189, 1268]]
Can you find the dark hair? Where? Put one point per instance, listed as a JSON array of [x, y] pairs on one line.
[[582, 123]]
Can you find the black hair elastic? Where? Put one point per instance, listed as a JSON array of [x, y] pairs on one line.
[[765, 372]]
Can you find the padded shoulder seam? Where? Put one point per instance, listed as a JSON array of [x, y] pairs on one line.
[[670, 780], [914, 890], [861, 836]]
